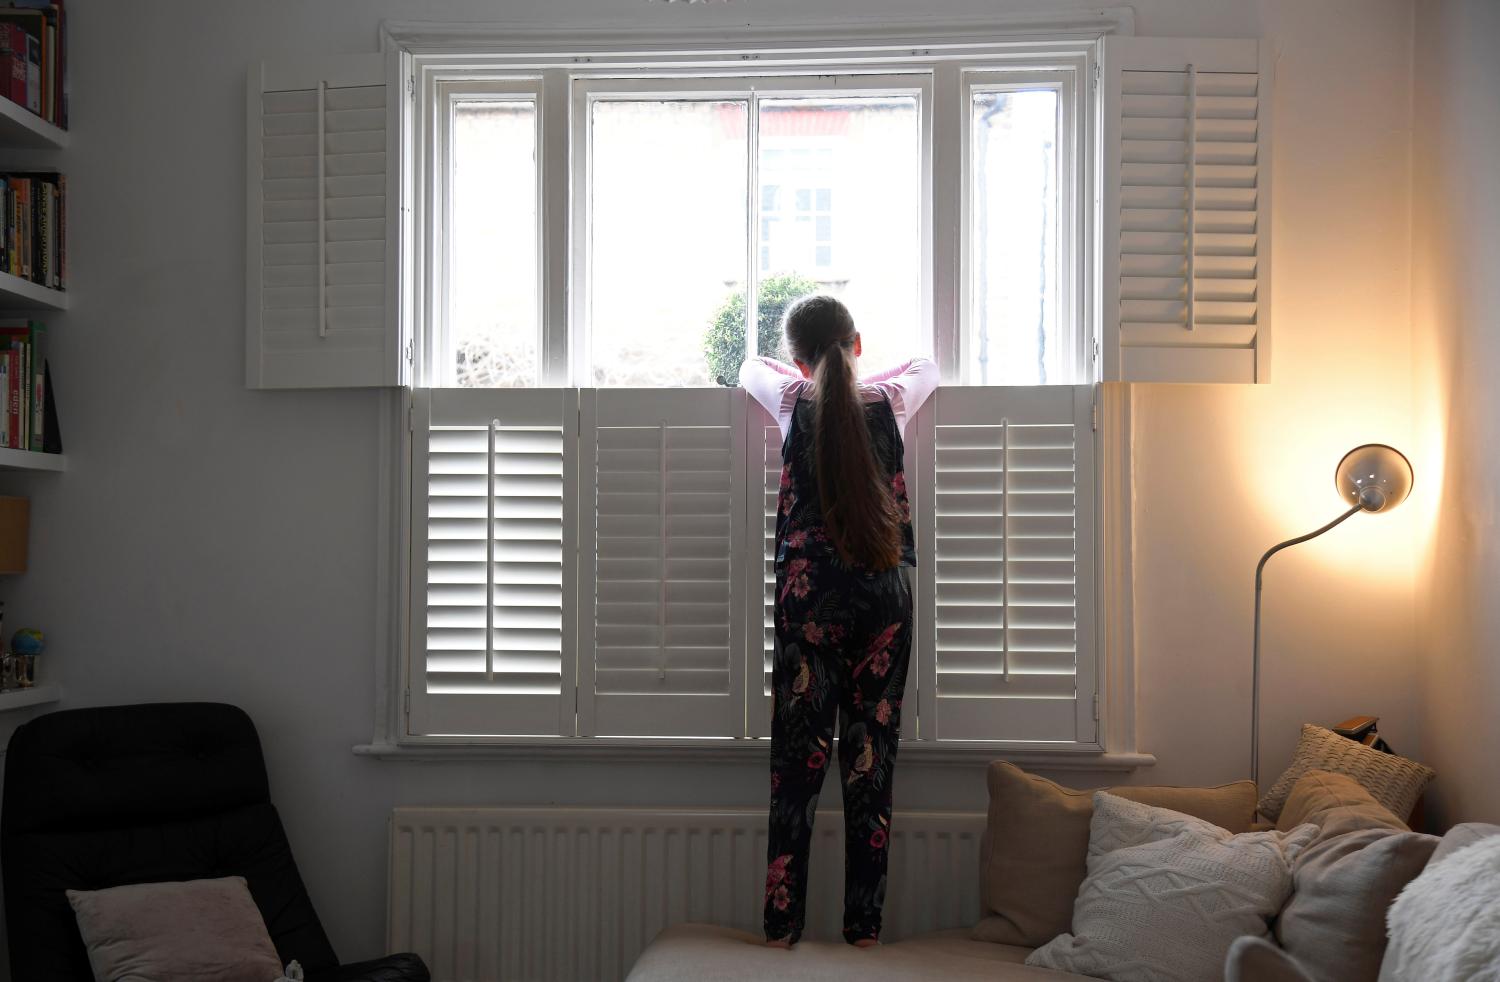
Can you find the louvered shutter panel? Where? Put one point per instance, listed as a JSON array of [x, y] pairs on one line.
[[664, 651], [321, 284], [493, 575], [764, 438], [1006, 531], [1186, 277]]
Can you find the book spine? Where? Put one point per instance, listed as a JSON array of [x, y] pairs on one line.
[[38, 390], [49, 73], [44, 232], [25, 439], [5, 387], [15, 396], [62, 232], [34, 74], [26, 227]]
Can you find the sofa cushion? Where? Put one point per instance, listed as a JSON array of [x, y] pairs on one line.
[[1035, 846], [1393, 781], [1335, 803], [705, 953], [1334, 925], [176, 932], [1167, 894]]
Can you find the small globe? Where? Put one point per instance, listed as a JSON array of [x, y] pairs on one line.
[[27, 641]]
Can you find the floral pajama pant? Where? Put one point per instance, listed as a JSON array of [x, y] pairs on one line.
[[843, 640]]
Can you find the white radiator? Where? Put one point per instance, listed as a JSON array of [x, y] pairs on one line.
[[575, 894]]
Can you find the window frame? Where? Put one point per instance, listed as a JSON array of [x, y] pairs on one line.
[[422, 55], [943, 77]]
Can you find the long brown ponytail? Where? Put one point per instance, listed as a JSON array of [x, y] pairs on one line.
[[858, 506]]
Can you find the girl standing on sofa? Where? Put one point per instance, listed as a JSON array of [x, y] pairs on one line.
[[843, 603]]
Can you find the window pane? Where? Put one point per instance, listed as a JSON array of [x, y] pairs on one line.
[[847, 218], [1014, 336], [667, 241], [492, 307]]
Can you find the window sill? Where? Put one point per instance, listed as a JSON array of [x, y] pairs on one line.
[[658, 751]]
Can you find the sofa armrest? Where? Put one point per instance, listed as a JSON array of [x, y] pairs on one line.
[[404, 967]]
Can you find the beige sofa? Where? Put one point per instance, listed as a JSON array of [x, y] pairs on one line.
[[1027, 886]]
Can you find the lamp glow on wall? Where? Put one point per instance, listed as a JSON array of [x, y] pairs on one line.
[[1369, 478]]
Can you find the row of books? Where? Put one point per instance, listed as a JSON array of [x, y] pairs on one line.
[[30, 420], [34, 57], [35, 227]]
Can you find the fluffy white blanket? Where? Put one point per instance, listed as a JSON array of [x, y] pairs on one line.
[[1445, 926]]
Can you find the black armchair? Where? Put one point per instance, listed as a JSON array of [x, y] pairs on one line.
[[98, 798]]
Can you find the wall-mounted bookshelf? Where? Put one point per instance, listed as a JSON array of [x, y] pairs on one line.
[[37, 695], [31, 460], [17, 294], [20, 128]]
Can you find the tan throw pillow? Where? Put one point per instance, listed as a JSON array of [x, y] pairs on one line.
[[1334, 925], [1336, 804], [1167, 894], [1035, 848], [176, 932], [1393, 781]]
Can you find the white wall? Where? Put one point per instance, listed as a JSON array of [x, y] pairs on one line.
[[215, 543], [1456, 331]]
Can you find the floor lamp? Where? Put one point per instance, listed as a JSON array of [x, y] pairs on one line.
[[1373, 477]]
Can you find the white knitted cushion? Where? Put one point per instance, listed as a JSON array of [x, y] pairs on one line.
[[1167, 894], [1393, 781]]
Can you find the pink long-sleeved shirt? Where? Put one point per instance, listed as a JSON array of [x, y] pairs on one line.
[[777, 386]]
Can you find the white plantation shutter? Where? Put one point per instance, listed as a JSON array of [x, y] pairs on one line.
[[1006, 532], [1186, 210], [664, 471], [494, 562], [321, 286]]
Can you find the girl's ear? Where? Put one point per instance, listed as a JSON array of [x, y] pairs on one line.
[[803, 367], [859, 346]]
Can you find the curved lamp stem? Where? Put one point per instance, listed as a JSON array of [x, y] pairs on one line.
[[1255, 663]]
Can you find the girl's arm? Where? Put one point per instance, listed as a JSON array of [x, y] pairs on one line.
[[775, 386], [907, 386]]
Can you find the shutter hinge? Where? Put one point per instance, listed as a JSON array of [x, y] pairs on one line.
[[411, 417], [1096, 705], [411, 87], [1095, 414], [406, 703], [1097, 75], [410, 349]]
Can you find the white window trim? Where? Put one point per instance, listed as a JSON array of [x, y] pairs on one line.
[[403, 42]]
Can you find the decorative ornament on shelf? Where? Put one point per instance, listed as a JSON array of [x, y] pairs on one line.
[[26, 645]]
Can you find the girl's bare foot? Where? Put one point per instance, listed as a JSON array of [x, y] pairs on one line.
[[867, 942]]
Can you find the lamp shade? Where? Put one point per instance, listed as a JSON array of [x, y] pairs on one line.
[[1374, 476]]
